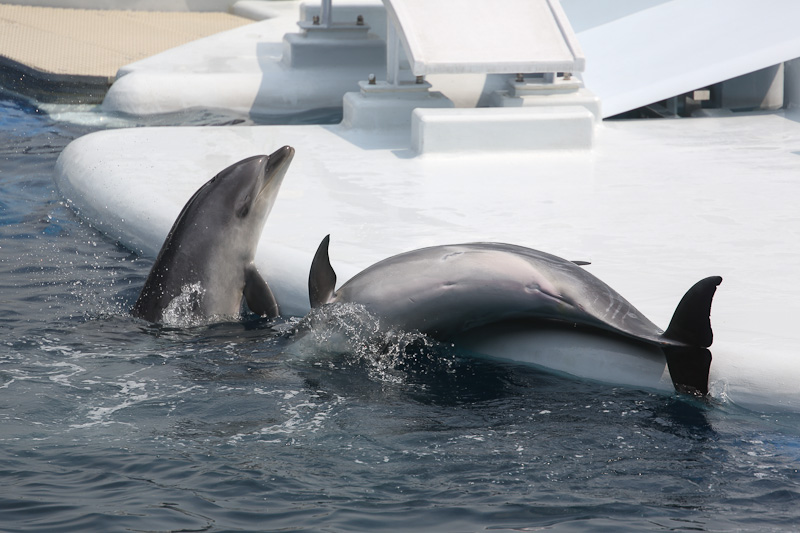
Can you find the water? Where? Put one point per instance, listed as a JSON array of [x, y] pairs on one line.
[[110, 424]]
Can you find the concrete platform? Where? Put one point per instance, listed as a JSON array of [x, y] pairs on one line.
[[55, 54]]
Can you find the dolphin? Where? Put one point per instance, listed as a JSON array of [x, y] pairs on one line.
[[206, 263], [448, 291]]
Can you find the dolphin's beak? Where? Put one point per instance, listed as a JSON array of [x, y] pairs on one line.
[[279, 160], [274, 168]]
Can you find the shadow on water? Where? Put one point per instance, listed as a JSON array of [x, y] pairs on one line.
[[687, 416]]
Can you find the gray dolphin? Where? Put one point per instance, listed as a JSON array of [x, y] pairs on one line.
[[206, 263], [448, 291]]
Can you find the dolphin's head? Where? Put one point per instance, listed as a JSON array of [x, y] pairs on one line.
[[236, 202], [253, 184], [208, 254]]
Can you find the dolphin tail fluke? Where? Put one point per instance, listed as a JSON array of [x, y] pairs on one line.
[[688, 368], [691, 326], [322, 278], [691, 323]]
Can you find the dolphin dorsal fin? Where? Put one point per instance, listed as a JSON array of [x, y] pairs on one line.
[[691, 325], [322, 278]]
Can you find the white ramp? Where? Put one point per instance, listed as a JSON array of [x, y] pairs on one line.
[[475, 36], [678, 46]]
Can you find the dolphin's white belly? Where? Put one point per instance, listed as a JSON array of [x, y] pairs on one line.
[[579, 353]]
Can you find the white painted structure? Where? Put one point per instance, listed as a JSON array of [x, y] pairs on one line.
[[278, 65], [526, 45], [655, 205], [456, 37], [652, 50], [636, 55], [274, 67]]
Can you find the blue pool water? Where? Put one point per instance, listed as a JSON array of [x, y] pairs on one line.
[[110, 424]]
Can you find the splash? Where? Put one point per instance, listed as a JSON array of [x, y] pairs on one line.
[[184, 310], [350, 335]]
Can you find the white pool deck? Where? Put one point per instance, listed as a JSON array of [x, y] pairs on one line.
[[655, 206]]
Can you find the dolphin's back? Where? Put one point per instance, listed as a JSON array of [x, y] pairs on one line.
[[445, 290]]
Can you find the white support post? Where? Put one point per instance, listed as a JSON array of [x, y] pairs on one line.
[[326, 14], [392, 54]]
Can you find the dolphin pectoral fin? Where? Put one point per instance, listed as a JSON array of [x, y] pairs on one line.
[[688, 368], [322, 278], [258, 295]]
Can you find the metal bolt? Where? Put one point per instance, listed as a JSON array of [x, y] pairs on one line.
[[315, 20], [520, 78], [420, 79], [360, 20], [371, 79]]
